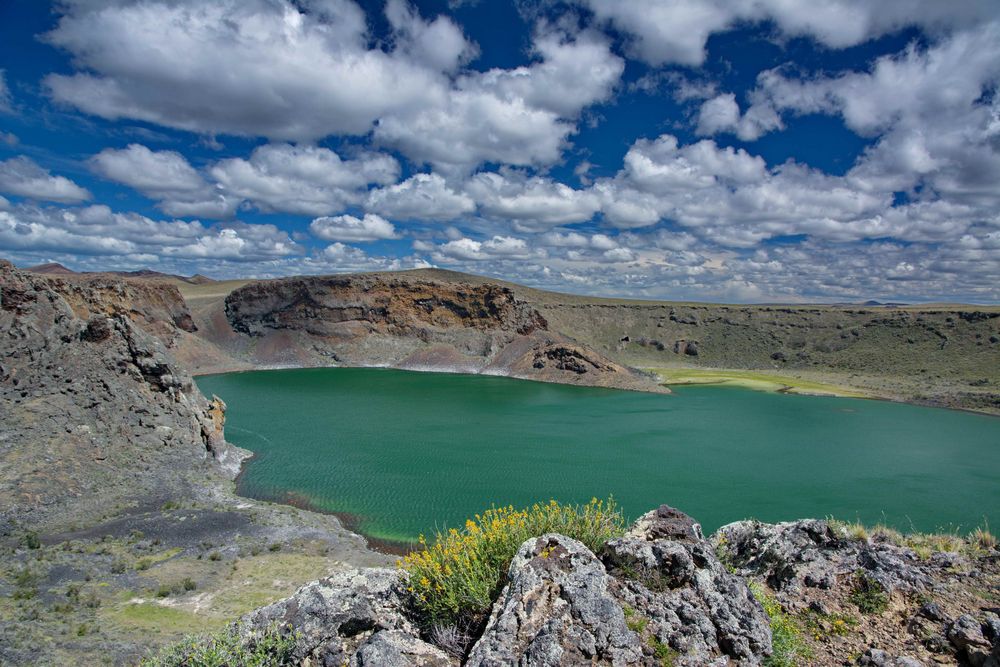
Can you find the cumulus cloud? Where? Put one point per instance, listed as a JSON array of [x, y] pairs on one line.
[[676, 32], [532, 203], [269, 68], [21, 176], [308, 180], [420, 197], [520, 116], [166, 176], [349, 228], [722, 114], [246, 243], [97, 230], [732, 197], [934, 112], [255, 67], [438, 44], [505, 247]]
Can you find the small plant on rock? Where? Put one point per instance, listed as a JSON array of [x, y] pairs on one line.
[[787, 645], [868, 595], [267, 648]]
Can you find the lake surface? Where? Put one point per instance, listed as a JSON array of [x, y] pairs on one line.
[[404, 453]]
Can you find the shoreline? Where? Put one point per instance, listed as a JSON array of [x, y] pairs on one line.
[[767, 382]]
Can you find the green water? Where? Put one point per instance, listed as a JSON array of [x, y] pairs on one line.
[[404, 452]]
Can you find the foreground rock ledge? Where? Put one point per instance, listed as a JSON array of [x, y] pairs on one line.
[[562, 605], [665, 595]]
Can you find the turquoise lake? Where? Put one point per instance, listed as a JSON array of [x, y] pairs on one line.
[[402, 453]]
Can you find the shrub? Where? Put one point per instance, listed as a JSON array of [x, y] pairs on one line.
[[983, 538], [269, 648], [663, 652], [456, 580], [788, 649], [867, 594], [31, 540]]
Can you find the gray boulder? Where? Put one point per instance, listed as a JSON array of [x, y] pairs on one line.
[[557, 609], [966, 633], [394, 648], [670, 575], [335, 616], [812, 553], [877, 658]]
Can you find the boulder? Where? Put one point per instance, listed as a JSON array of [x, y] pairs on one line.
[[966, 633], [393, 648], [334, 618], [557, 609], [671, 576]]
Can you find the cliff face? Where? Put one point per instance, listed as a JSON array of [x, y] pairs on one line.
[[405, 323], [335, 306], [95, 412]]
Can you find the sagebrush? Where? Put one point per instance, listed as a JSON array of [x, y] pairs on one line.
[[455, 579]]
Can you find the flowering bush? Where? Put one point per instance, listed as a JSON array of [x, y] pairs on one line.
[[455, 580]]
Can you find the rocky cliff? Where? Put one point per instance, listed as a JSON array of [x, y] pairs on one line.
[[404, 322], [95, 412], [664, 595]]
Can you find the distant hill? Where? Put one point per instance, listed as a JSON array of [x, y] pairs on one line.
[[52, 268], [57, 269]]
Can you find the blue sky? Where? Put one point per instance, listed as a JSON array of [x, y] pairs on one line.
[[737, 151]]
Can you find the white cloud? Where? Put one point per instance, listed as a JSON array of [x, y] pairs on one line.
[[722, 114], [307, 180], [349, 228], [420, 197], [438, 44], [531, 203], [252, 67], [268, 68], [676, 32], [21, 176], [166, 176], [521, 116], [505, 247], [97, 230], [146, 170], [934, 112], [246, 243]]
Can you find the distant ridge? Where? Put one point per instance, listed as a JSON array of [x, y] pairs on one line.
[[57, 269], [51, 268]]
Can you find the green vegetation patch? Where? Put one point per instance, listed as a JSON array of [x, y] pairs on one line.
[[977, 543], [455, 580], [789, 649], [270, 648], [868, 595], [752, 380]]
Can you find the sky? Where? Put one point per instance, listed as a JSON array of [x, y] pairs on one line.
[[739, 150]]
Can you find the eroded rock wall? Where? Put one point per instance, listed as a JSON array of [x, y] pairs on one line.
[[404, 322], [96, 414]]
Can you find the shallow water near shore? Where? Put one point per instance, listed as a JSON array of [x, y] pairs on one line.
[[405, 453]]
